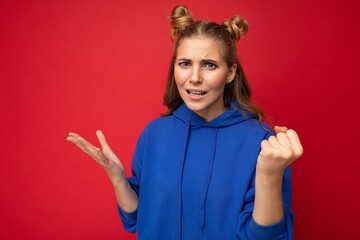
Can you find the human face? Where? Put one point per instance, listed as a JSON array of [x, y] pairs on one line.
[[201, 74]]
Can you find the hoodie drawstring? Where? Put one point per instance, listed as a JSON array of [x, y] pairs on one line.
[[208, 175], [186, 137], [208, 180]]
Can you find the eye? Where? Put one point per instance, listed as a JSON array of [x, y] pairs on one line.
[[184, 64], [210, 65]]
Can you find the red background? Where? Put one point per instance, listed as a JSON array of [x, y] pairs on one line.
[[85, 65]]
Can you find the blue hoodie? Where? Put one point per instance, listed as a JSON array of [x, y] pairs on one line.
[[196, 179]]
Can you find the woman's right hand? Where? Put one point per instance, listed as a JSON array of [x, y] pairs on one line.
[[105, 157]]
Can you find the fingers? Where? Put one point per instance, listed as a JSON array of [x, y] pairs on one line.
[[279, 141], [285, 136], [295, 142], [283, 139], [274, 142], [281, 136], [102, 159], [265, 146], [73, 137], [88, 146], [111, 155], [73, 134], [100, 156], [288, 139], [293, 137], [279, 129], [84, 145], [102, 140], [106, 148]]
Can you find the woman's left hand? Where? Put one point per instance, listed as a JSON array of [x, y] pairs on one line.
[[278, 152]]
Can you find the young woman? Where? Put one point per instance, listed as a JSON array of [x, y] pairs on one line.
[[209, 168]]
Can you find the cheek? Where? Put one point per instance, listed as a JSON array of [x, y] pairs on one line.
[[179, 76], [217, 82]]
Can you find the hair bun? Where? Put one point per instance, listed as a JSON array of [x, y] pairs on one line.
[[236, 26], [180, 19]]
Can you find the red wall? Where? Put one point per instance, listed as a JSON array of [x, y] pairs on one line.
[[85, 65]]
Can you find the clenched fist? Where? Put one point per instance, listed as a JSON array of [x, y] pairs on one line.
[[278, 152]]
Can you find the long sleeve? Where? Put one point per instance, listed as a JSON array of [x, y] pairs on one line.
[[283, 230], [129, 219]]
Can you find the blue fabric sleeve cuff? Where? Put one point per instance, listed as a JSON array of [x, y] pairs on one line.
[[267, 232], [127, 216]]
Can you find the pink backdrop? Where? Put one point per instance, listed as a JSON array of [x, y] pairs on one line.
[[79, 66]]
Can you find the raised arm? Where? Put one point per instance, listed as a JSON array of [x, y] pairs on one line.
[[276, 154]]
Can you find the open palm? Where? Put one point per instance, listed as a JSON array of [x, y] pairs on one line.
[[105, 157]]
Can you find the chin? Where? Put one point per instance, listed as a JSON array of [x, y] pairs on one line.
[[197, 108]]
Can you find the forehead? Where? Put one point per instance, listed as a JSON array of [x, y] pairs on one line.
[[199, 47]]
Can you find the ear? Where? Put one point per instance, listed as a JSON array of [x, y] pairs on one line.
[[231, 73]]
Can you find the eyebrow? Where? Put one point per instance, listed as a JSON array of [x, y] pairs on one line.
[[202, 60], [209, 60], [184, 59]]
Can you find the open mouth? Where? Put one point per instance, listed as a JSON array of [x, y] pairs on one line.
[[196, 93]]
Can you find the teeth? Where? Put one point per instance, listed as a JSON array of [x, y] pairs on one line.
[[196, 93]]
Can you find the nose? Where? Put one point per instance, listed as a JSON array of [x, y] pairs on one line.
[[195, 77]]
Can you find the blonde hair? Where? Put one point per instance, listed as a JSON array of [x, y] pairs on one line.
[[183, 27]]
